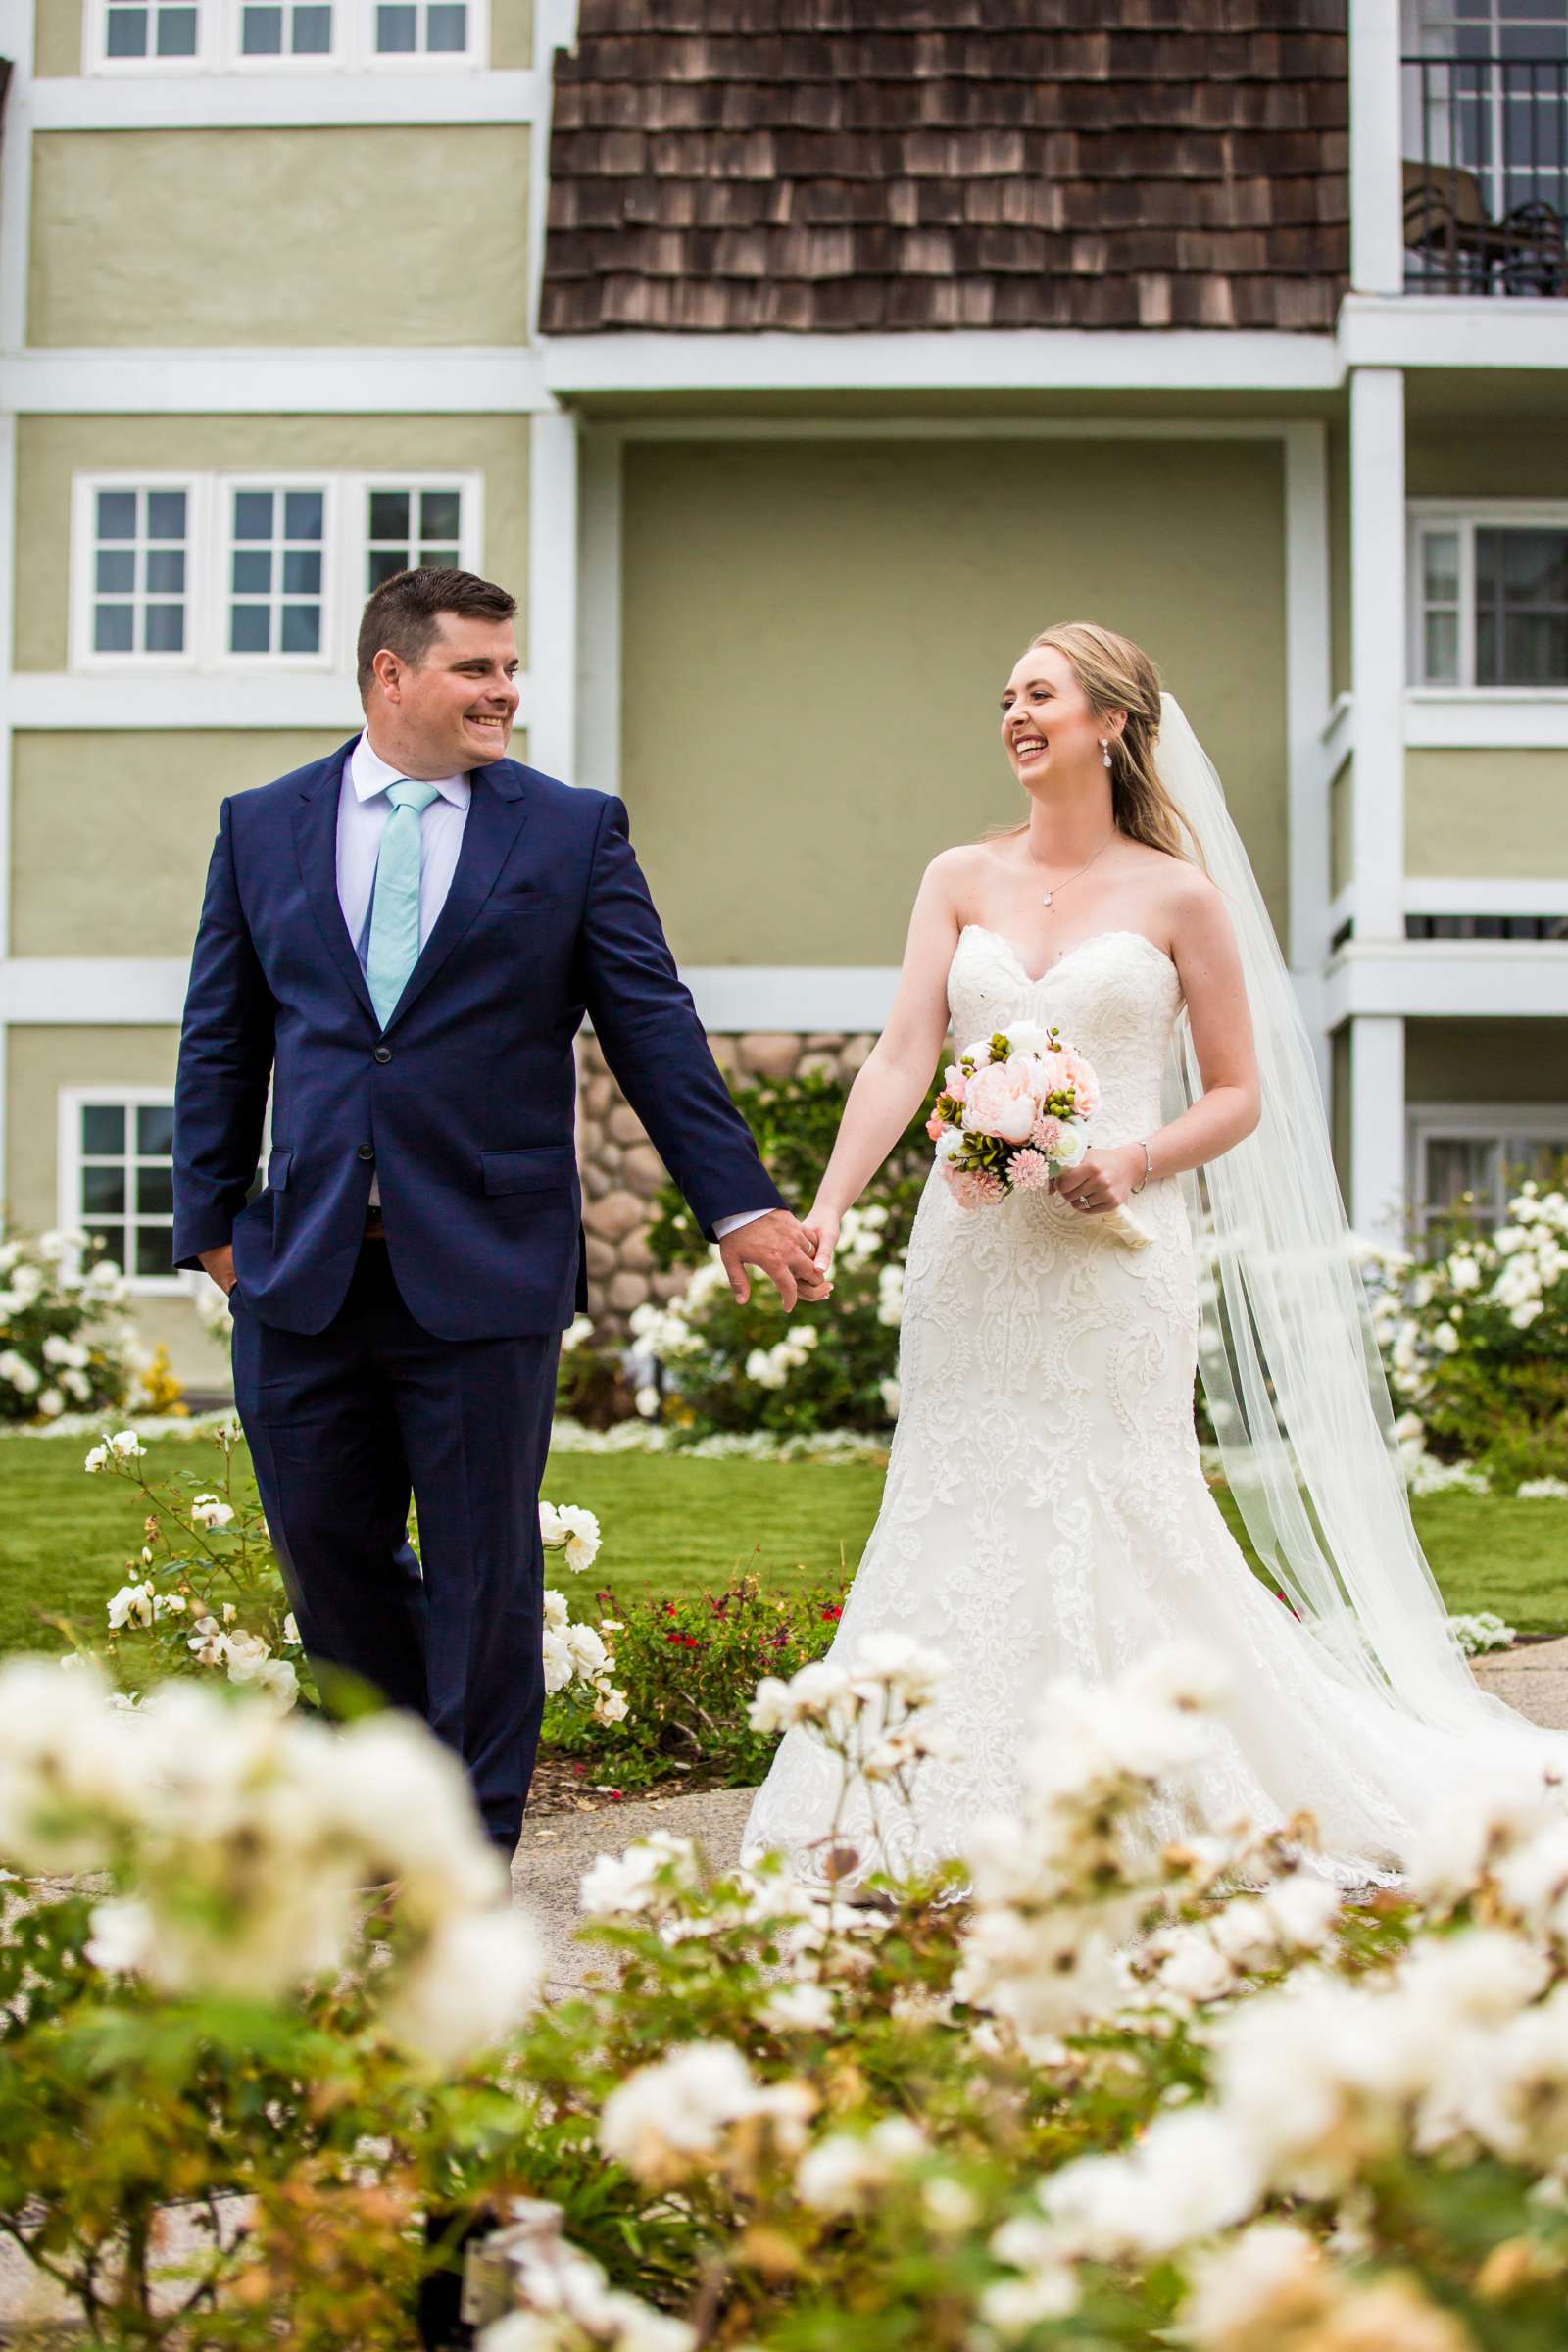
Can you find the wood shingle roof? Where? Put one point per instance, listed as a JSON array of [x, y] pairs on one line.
[[809, 166]]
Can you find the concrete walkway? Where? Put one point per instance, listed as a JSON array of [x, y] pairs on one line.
[[559, 1848]]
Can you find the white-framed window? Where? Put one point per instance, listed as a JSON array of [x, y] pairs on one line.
[[1489, 596], [277, 35], [1467, 1159], [116, 1178], [275, 590], [136, 592], [209, 573]]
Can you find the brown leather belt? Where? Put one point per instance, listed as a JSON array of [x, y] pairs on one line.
[[374, 1225]]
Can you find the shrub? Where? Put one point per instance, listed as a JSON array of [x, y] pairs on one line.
[[688, 1668], [63, 1345], [1475, 1338]]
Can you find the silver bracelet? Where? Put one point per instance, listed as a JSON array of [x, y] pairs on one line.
[[1148, 1166]]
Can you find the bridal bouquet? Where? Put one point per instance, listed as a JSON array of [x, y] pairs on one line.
[[1012, 1113]]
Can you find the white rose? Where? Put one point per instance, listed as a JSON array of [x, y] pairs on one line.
[[96, 1459], [211, 1511], [127, 1445]]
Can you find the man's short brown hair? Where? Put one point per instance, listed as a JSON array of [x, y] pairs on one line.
[[404, 609]]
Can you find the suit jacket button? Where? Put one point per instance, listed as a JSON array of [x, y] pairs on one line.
[[365, 1151], [382, 1053]]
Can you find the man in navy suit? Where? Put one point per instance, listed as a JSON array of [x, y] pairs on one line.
[[401, 942]]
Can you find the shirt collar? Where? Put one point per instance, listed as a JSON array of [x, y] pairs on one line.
[[368, 773]]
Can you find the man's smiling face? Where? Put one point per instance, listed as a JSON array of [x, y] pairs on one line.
[[458, 704]]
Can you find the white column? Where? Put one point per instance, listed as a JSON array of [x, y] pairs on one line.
[[1378, 648], [1377, 147], [1377, 1126], [551, 653]]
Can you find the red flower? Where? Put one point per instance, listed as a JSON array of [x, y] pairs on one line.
[[832, 1615]]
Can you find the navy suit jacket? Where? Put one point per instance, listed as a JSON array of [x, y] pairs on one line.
[[464, 1103]]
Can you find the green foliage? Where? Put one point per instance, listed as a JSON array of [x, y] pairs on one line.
[[688, 1666], [795, 1121]]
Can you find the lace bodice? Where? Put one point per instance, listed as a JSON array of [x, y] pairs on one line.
[[1115, 996]]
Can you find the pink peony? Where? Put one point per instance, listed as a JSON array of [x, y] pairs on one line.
[[1029, 1171], [999, 1104], [1084, 1083], [933, 1126], [954, 1083], [973, 1188], [1047, 1136]]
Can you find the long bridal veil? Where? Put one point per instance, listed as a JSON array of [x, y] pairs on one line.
[[1290, 1366]]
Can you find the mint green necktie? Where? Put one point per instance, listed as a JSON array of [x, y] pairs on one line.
[[394, 948]]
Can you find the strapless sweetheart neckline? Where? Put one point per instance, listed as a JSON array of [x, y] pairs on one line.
[[1095, 938]]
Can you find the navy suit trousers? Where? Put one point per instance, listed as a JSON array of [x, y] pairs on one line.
[[344, 1424]]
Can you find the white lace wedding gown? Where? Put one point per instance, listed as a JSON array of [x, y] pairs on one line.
[[1046, 1513]]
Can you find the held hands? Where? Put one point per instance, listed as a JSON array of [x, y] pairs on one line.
[[1102, 1180], [779, 1246], [220, 1264]]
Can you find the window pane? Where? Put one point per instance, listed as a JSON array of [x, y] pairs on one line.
[[302, 572], [447, 25], [440, 513], [253, 514], [155, 1191], [261, 31], [1442, 648], [302, 514], [1536, 650], [441, 558], [154, 1250], [117, 570], [111, 1240], [165, 629], [302, 628], [253, 571], [250, 629], [389, 515], [113, 629], [313, 31], [1457, 1164], [166, 572], [103, 1128], [155, 1129], [165, 513], [1441, 568], [128, 32], [385, 565], [177, 32], [117, 513], [103, 1191], [395, 29]]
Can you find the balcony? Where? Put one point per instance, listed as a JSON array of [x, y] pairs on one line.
[[1486, 175]]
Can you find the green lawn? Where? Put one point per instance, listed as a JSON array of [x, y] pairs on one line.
[[66, 1539]]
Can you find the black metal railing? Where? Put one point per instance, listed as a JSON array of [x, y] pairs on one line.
[[1486, 175]]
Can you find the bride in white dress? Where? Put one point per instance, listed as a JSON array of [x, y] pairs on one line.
[[1046, 1512]]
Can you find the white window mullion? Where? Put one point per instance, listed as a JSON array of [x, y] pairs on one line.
[[1467, 607]]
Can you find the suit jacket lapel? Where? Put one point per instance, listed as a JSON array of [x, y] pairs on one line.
[[316, 846], [497, 814]]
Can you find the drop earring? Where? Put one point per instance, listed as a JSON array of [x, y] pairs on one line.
[[1104, 750]]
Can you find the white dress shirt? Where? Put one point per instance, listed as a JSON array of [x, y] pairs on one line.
[[363, 809]]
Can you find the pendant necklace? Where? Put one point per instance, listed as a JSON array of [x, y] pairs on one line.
[[1083, 869]]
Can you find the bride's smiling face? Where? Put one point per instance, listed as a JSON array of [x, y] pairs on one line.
[[1047, 726]]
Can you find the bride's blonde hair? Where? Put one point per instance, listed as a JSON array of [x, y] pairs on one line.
[[1117, 676]]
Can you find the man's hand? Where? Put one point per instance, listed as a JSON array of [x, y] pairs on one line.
[[220, 1264], [779, 1246]]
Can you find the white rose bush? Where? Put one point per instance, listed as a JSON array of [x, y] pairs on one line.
[[66, 1346], [1103, 2082], [1475, 1341]]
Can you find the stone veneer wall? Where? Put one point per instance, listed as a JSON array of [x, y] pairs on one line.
[[621, 1172]]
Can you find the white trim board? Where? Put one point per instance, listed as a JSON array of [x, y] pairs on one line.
[[1448, 979], [251, 100], [965, 360], [49, 701], [1452, 330], [506, 379], [100, 991], [1485, 719]]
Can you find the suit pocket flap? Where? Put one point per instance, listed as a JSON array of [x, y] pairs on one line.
[[277, 1168], [538, 1168]]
